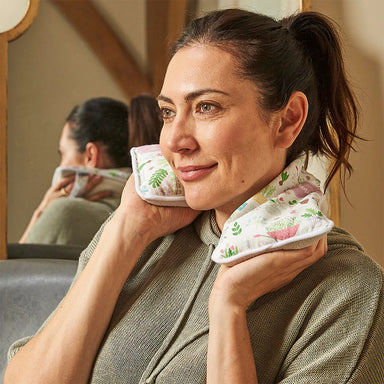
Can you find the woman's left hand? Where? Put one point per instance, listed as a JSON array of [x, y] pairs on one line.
[[230, 352], [245, 282]]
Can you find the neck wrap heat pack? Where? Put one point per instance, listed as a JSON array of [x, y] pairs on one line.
[[113, 179], [289, 213]]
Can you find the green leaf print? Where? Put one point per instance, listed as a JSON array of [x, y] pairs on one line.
[[283, 223], [157, 178], [268, 191], [142, 165], [228, 252], [236, 229], [293, 202], [284, 177], [310, 212]]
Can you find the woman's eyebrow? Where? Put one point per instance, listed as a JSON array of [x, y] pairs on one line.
[[164, 98], [193, 95]]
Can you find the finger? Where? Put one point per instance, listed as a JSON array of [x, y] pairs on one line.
[[294, 259], [64, 182], [309, 255], [99, 195], [93, 180], [68, 188]]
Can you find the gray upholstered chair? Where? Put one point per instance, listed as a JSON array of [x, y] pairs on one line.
[[43, 251], [30, 288]]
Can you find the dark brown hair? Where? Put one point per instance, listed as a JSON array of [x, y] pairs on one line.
[[298, 53], [104, 120], [116, 125]]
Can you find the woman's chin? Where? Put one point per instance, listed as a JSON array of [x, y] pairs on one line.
[[198, 204]]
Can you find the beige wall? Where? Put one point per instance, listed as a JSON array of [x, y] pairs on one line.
[[362, 31], [50, 70]]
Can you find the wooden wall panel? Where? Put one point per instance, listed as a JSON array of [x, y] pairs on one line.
[[165, 20]]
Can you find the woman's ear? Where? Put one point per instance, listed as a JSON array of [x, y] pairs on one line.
[[292, 119], [91, 155]]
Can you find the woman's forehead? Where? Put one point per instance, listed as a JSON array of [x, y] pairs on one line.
[[201, 67]]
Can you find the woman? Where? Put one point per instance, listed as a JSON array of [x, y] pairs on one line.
[[240, 101], [97, 134]]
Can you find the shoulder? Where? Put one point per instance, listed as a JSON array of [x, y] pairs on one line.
[[336, 305], [69, 221], [76, 205], [347, 259], [345, 274]]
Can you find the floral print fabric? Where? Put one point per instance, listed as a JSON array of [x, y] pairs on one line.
[[288, 213], [154, 178]]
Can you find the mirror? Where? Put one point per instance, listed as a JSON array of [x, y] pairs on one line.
[[12, 12], [16, 17], [51, 69]]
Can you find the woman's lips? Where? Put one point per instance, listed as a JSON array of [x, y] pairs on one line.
[[191, 173]]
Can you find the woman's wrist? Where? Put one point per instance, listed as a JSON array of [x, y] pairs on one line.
[[123, 240], [230, 356], [220, 304]]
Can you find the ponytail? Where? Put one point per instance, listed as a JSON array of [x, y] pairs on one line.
[[334, 111]]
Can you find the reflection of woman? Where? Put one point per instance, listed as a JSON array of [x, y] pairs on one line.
[[243, 96], [95, 136]]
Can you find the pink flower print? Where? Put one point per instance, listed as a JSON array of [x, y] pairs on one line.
[[305, 189], [148, 148], [285, 233], [150, 169], [292, 212]]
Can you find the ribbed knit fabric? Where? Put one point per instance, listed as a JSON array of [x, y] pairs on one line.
[[326, 326], [72, 221]]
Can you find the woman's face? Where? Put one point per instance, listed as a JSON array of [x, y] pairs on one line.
[[68, 150], [214, 136]]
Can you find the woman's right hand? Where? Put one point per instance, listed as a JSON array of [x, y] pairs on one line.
[[60, 189], [152, 220]]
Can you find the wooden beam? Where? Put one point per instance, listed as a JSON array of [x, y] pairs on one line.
[[165, 21], [177, 18], [333, 197], [3, 144], [106, 44], [306, 5]]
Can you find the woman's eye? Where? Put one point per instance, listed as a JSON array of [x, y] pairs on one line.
[[167, 113], [206, 108]]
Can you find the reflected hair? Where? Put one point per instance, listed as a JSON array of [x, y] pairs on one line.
[[103, 120], [115, 125]]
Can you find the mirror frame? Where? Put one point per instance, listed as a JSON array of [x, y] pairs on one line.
[[5, 38]]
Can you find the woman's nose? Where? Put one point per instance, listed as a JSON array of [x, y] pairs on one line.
[[179, 136]]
